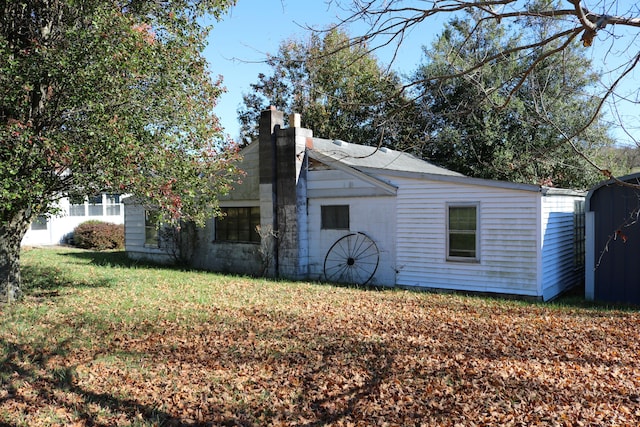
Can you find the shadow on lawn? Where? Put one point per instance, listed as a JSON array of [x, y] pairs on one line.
[[119, 259], [39, 281], [22, 364]]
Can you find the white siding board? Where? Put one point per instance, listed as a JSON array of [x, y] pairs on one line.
[[558, 269], [508, 238]]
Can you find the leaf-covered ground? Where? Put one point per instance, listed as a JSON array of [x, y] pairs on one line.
[[100, 342]]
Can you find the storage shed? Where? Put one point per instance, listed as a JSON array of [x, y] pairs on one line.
[[613, 241], [322, 209]]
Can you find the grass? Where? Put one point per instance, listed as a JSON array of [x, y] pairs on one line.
[[102, 341]]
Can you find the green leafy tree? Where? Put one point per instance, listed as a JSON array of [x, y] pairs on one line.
[[105, 95], [489, 123], [341, 91]]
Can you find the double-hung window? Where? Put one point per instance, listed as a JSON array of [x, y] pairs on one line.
[[76, 206], [462, 232], [95, 205], [113, 204], [39, 223], [151, 228]]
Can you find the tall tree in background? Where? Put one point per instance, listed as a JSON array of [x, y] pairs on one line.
[[486, 123], [341, 93], [608, 27], [102, 95]]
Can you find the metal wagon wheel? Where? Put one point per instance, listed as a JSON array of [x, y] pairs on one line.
[[352, 259]]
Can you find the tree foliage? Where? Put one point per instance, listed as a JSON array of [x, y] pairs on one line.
[[103, 94], [340, 93], [596, 24], [489, 124]]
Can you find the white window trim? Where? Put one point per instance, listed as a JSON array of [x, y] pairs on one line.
[[475, 259]]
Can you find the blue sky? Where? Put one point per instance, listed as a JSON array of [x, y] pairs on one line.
[[239, 43], [253, 28]]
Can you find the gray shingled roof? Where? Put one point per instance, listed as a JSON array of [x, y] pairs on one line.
[[365, 157]]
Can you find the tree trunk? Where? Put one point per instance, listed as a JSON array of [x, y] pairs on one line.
[[11, 234]]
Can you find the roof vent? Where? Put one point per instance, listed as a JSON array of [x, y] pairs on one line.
[[339, 142], [383, 149]]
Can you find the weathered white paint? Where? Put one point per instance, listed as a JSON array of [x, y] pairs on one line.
[[559, 270], [508, 238], [526, 239], [134, 237], [373, 216], [60, 227]]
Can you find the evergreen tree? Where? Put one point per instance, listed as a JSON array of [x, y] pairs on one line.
[[490, 123]]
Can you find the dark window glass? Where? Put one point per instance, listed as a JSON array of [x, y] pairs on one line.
[[151, 219], [335, 217], [238, 225], [462, 231]]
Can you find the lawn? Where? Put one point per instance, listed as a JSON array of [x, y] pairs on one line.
[[100, 341]]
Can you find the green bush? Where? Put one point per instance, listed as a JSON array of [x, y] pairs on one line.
[[99, 235]]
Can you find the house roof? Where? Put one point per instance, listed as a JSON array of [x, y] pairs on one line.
[[367, 157]]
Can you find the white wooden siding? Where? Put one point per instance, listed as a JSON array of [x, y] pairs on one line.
[[328, 183], [558, 268], [508, 238], [373, 216], [134, 237], [61, 226]]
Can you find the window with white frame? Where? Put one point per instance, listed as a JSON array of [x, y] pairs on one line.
[[95, 205], [462, 232], [77, 206], [113, 204], [40, 223]]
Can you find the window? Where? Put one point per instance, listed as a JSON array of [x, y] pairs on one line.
[[151, 220], [76, 206], [238, 225], [462, 223], [40, 223], [334, 217], [113, 204], [95, 205]]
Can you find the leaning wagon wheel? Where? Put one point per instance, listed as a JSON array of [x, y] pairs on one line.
[[352, 259]]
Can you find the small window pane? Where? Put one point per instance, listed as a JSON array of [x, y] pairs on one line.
[[76, 206], [95, 205], [40, 223], [335, 217]]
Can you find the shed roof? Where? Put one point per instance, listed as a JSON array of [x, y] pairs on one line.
[[382, 158]]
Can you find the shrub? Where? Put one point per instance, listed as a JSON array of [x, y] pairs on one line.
[[99, 235]]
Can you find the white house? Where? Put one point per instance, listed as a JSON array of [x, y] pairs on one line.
[[56, 229], [343, 212]]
